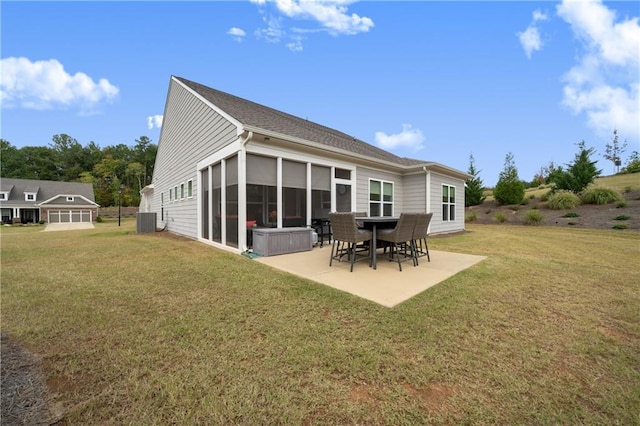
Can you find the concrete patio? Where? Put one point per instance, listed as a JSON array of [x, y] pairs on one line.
[[385, 285]]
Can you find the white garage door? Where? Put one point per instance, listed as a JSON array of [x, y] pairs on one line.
[[66, 216]]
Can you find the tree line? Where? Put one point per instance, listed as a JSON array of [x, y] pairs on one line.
[[116, 172]]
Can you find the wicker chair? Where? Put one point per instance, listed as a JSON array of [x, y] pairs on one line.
[[346, 237], [420, 234], [401, 237]]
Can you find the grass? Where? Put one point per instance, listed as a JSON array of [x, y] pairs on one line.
[[158, 330], [620, 183]]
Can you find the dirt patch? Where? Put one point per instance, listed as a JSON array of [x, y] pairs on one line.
[[434, 396], [588, 215]]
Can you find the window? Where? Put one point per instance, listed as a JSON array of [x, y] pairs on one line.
[[29, 196], [380, 198], [448, 203], [170, 195], [3, 196], [190, 189], [70, 198], [342, 174], [182, 191], [175, 193]]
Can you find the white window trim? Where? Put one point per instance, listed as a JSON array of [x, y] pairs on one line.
[[4, 196], [449, 203], [29, 194], [175, 193], [170, 195], [182, 192], [70, 198], [382, 202], [190, 188]]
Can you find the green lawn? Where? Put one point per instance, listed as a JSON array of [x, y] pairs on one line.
[[158, 330]]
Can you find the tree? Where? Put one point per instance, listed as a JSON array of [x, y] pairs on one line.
[[613, 151], [68, 157], [509, 189], [580, 173], [9, 159], [473, 189]]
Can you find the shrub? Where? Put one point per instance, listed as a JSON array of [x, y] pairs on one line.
[[571, 214], [41, 222], [514, 208], [562, 200], [620, 226], [533, 217], [572, 223], [621, 204], [600, 196], [545, 197], [99, 219], [532, 197], [525, 201], [500, 217], [471, 217], [487, 211], [621, 217]]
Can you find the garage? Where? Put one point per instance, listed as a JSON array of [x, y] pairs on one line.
[[66, 216]]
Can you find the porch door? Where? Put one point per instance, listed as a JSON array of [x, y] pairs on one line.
[[343, 197]]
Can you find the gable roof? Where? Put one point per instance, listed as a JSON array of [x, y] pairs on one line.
[[253, 115], [45, 190]]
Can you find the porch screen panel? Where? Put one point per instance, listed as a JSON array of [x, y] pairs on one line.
[[262, 188], [321, 178], [320, 192], [216, 202], [294, 193], [261, 170], [231, 220], [204, 197]]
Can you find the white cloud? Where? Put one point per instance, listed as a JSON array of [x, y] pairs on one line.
[[238, 34], [46, 84], [154, 121], [604, 83], [332, 15], [530, 38], [408, 137]]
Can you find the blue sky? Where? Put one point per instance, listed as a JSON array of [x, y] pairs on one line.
[[435, 81]]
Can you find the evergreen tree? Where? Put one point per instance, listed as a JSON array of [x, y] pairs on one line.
[[580, 173], [509, 189], [473, 190]]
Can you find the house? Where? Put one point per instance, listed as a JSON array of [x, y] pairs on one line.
[[32, 201], [226, 165]]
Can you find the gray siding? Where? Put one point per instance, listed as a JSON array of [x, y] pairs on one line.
[[191, 131], [437, 225], [415, 189]]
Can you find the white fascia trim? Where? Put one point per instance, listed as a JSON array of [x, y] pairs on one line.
[[67, 195], [232, 120], [223, 153]]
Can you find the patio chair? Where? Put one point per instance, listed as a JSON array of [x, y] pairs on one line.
[[400, 238], [420, 234], [346, 237]]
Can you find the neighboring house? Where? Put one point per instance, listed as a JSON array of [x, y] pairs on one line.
[[30, 201], [226, 164]]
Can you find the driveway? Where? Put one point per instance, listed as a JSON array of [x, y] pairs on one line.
[[68, 226]]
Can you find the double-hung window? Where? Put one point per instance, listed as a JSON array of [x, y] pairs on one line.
[[380, 198], [448, 203]]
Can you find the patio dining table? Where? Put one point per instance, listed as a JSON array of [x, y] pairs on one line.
[[372, 223]]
